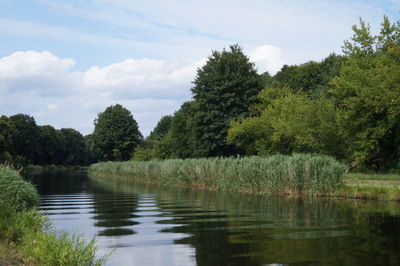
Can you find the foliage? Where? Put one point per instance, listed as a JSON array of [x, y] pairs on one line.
[[28, 232], [74, 147], [25, 228], [161, 128], [367, 94], [16, 192], [299, 173], [288, 122], [51, 146], [25, 137], [116, 133], [311, 77], [224, 89], [7, 131]]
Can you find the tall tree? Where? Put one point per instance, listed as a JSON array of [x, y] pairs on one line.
[[51, 146], [7, 131], [26, 137], [116, 133], [367, 95], [75, 152], [224, 89]]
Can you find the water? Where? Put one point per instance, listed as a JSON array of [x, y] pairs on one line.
[[153, 225]]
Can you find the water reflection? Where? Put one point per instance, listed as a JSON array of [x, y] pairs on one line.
[[152, 225]]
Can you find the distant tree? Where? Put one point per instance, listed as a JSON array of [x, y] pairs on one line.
[[74, 147], [116, 133], [91, 147], [311, 77], [26, 137], [51, 147], [161, 128], [367, 94], [224, 88], [179, 142], [7, 130]]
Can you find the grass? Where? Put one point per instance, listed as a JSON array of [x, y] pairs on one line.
[[26, 231], [15, 191], [295, 174], [38, 169]]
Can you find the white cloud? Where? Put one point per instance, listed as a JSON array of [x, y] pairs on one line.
[[47, 87], [33, 63], [267, 58]]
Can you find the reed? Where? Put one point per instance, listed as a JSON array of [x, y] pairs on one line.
[[295, 174], [26, 230], [15, 191]]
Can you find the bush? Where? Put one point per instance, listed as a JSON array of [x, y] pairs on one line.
[[15, 191]]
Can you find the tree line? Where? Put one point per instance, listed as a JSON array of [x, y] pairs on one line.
[[23, 142], [346, 106]]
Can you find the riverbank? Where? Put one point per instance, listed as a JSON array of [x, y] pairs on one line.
[[37, 169], [299, 174], [382, 187], [26, 232]]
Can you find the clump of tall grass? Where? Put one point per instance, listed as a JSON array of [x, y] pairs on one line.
[[298, 173], [15, 191], [23, 227]]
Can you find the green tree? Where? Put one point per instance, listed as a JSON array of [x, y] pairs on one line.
[[26, 137], [50, 146], [367, 95], [288, 122], [116, 133], [74, 147], [311, 77], [161, 128], [224, 89], [7, 130]]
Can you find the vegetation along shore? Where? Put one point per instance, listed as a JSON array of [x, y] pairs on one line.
[[298, 174], [25, 235]]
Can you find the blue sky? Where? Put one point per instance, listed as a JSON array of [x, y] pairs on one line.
[[65, 61]]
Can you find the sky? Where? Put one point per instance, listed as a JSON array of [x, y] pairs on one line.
[[65, 61]]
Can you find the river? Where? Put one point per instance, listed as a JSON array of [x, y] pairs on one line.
[[152, 225]]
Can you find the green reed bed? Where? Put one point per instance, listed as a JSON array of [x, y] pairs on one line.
[[23, 228], [295, 174]]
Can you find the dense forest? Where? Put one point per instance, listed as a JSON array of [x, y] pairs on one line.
[[346, 106]]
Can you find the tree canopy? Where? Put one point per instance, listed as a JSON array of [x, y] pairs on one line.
[[116, 133], [224, 88]]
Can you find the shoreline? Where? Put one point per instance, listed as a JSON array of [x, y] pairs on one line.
[[367, 189]]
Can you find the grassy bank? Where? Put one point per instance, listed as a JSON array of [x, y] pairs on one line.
[[371, 186], [37, 169], [296, 174], [25, 231]]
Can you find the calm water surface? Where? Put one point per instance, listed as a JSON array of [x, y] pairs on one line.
[[153, 225]]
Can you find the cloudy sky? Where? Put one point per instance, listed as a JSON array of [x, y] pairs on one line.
[[64, 61]]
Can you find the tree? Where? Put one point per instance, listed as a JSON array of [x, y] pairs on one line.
[[311, 77], [74, 147], [26, 137], [116, 133], [224, 88], [288, 122], [367, 95], [161, 128], [51, 147], [7, 130]]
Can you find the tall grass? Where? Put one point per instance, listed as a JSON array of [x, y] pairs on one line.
[[297, 174], [15, 191], [24, 228]]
